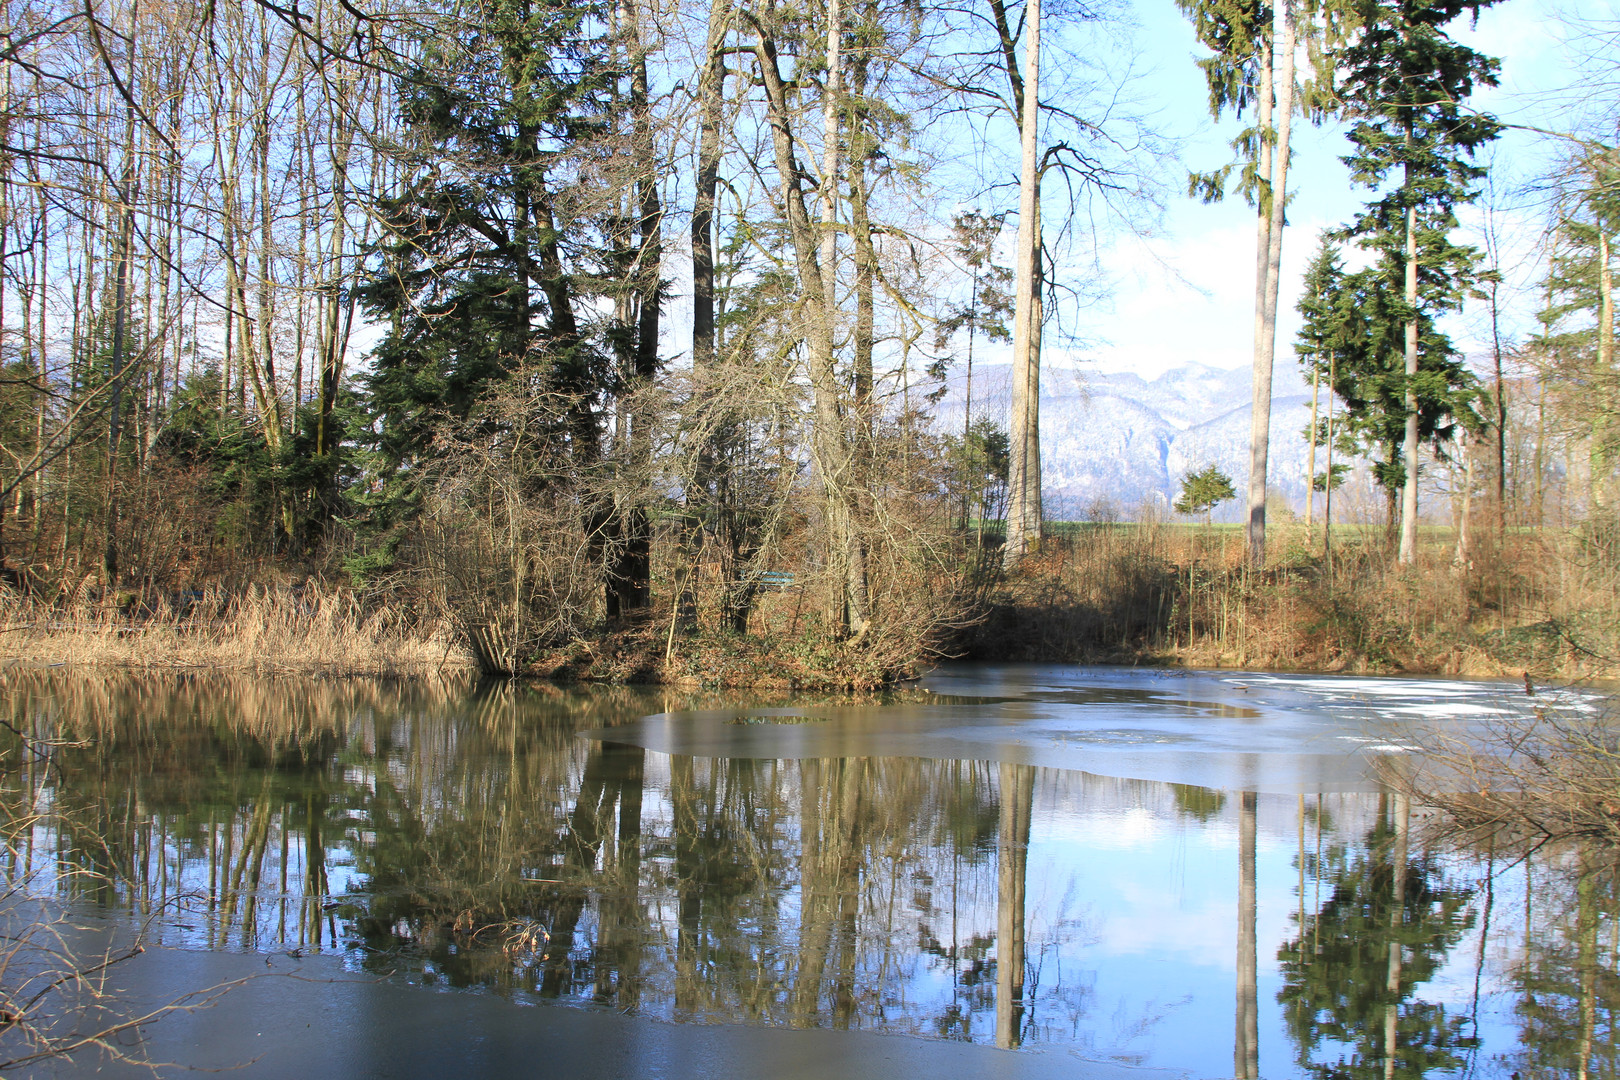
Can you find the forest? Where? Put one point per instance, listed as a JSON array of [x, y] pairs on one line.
[[610, 338]]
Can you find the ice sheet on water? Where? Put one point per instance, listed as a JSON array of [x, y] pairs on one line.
[[1266, 732]]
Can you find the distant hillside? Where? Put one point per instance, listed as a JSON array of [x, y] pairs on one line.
[[1130, 440]]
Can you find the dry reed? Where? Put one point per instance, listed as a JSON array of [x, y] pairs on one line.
[[263, 630]]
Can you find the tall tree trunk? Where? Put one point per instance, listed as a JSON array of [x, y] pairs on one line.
[[1499, 391], [1024, 467], [1277, 76], [843, 496], [126, 193], [862, 149], [711, 85], [1464, 518], [1409, 444], [716, 461], [1310, 457], [633, 576], [1605, 360], [1327, 496], [830, 445]]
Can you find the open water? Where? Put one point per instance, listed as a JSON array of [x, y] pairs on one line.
[[1019, 871]]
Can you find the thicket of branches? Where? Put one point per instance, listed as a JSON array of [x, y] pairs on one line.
[[381, 293]]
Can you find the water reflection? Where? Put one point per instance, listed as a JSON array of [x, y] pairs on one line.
[[1351, 977], [466, 836]]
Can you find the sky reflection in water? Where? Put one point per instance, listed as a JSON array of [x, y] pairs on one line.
[[873, 869]]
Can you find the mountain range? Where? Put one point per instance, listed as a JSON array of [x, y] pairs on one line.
[[1113, 441]]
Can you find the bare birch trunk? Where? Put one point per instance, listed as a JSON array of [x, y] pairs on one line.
[[1278, 72], [1409, 444], [1023, 474]]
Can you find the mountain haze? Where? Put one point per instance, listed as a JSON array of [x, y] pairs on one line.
[[1120, 437]]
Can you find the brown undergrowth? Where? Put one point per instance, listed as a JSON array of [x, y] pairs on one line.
[[642, 651], [1543, 603], [321, 629]]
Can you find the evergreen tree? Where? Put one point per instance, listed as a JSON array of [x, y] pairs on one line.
[[471, 276], [1204, 490], [1383, 404], [1404, 83], [1577, 340]]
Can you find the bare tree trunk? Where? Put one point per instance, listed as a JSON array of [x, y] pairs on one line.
[[710, 89], [1277, 74], [1605, 359], [1409, 444], [830, 445], [126, 193], [1327, 497], [862, 147], [1539, 457], [1024, 471], [1310, 458], [633, 575], [1463, 555], [1499, 390]]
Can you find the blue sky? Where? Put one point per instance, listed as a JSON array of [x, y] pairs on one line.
[[1186, 295]]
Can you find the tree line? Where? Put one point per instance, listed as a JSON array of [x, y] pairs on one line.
[[513, 299]]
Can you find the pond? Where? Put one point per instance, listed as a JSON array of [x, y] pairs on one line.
[[1019, 871]]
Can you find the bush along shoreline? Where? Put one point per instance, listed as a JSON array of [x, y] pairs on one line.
[[1140, 595], [1153, 594]]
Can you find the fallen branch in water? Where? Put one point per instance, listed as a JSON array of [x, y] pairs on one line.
[[1546, 769]]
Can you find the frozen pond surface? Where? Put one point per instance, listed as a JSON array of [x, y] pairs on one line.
[[1013, 871], [1285, 734]]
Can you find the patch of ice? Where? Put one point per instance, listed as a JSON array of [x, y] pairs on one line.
[[1454, 709], [1340, 687]]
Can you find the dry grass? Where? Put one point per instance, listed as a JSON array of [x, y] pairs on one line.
[[312, 629], [1547, 603]]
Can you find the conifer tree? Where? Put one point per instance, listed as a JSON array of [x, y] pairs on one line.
[[1579, 318], [1404, 84], [1369, 324], [472, 280]]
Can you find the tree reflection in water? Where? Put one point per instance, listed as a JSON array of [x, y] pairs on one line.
[[1568, 991], [1352, 975], [443, 831]]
